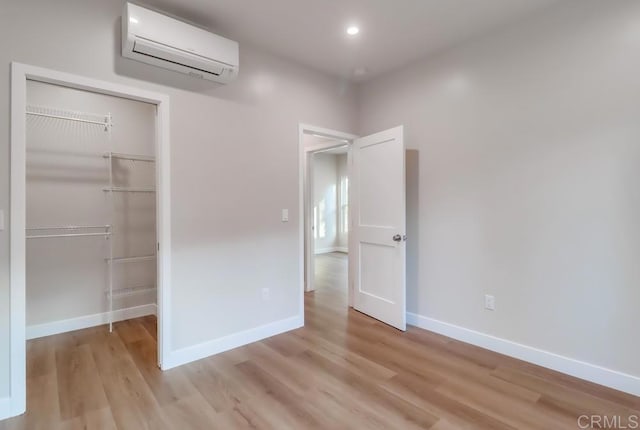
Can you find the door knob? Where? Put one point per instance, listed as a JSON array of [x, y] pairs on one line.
[[397, 238]]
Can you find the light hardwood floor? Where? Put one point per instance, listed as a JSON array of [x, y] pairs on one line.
[[342, 370], [331, 272]]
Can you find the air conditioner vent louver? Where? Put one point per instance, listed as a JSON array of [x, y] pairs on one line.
[[140, 50]]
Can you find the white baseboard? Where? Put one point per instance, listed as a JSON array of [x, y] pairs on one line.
[[63, 326], [5, 408], [331, 249], [590, 372], [216, 346], [325, 250]]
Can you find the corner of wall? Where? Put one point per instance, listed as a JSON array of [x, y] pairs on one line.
[[358, 90]]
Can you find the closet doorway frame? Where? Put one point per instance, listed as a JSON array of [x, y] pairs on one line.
[[20, 74]]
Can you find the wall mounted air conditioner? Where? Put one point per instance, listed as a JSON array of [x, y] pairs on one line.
[[157, 39]]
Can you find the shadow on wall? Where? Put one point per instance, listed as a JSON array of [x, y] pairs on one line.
[[413, 227]]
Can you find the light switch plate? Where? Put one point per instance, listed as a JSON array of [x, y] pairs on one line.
[[285, 215], [489, 302], [1, 220]]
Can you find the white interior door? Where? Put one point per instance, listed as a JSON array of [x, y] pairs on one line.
[[378, 210]]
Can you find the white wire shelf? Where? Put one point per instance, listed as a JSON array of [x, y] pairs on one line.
[[134, 259], [69, 227], [46, 236], [69, 231], [129, 291], [134, 157], [128, 190], [84, 117]]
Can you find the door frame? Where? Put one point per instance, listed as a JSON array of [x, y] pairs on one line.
[[306, 215], [20, 74]]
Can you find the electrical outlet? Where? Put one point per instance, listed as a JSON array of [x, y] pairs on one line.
[[265, 294], [489, 302]]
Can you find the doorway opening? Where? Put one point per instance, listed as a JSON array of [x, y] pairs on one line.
[[373, 219], [329, 217], [325, 196], [90, 209], [75, 214]]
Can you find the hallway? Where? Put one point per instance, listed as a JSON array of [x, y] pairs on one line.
[[332, 271]]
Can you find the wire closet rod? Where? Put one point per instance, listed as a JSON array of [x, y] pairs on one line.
[[132, 259], [44, 236], [128, 190], [134, 157], [67, 228]]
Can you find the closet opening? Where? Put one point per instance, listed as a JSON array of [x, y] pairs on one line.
[[90, 210], [90, 213]]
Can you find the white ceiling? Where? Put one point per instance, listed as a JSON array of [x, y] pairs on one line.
[[393, 33]]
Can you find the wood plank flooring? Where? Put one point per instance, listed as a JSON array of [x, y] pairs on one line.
[[342, 370]]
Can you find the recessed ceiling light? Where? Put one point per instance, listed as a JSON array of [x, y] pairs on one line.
[[353, 30]]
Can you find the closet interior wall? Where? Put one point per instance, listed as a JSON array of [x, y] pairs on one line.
[[68, 184]]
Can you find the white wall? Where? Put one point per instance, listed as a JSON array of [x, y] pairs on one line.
[[325, 195], [528, 147], [234, 164], [66, 173]]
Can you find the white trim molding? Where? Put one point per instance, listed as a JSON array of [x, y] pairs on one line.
[[235, 340], [579, 369], [62, 326]]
